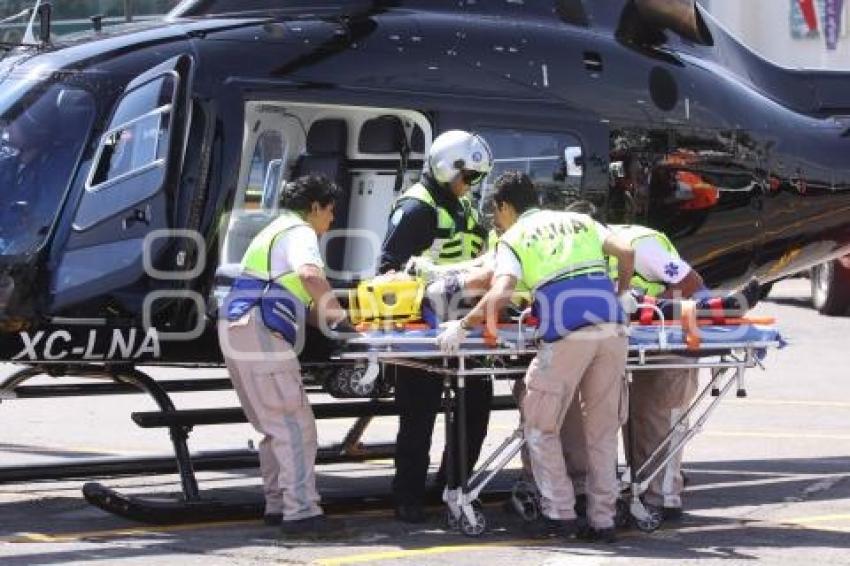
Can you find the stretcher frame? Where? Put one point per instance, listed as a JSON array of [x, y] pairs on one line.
[[727, 362]]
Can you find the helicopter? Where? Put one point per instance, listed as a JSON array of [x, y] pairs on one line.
[[138, 161]]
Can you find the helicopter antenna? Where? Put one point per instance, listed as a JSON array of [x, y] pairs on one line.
[[42, 11]]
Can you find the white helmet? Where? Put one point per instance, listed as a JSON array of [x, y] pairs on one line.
[[455, 152]]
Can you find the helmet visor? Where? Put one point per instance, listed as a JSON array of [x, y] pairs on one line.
[[471, 177]]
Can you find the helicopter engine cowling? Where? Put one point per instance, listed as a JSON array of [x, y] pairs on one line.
[[680, 16]]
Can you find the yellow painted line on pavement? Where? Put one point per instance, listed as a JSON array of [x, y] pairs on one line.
[[818, 519], [806, 522], [792, 402], [830, 529], [156, 529], [113, 533], [454, 549], [402, 554], [429, 551]]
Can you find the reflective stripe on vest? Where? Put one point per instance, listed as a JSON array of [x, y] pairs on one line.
[[634, 234], [452, 243], [551, 245], [257, 260]]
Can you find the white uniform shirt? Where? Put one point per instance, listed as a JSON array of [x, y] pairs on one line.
[[506, 262], [656, 264], [297, 247]]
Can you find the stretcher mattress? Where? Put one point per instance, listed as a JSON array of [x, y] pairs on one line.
[[669, 338]]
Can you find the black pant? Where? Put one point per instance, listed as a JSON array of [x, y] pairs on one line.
[[418, 396]]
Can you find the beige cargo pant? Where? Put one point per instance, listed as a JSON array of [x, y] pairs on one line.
[[572, 441], [590, 361], [659, 398], [267, 378]]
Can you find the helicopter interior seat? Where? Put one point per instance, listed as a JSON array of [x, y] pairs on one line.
[[379, 174], [325, 154], [247, 224]]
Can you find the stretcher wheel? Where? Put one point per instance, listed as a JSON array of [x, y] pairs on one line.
[[346, 383], [525, 501], [648, 525], [477, 529], [359, 389]]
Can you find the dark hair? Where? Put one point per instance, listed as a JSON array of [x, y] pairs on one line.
[[304, 191], [582, 206], [517, 189]]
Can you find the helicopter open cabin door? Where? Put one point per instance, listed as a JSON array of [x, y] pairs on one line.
[[124, 224]]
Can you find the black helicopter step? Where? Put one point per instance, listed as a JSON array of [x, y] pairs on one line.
[[233, 415]]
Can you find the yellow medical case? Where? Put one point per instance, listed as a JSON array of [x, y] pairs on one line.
[[386, 300]]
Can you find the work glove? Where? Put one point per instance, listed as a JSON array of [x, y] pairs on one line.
[[628, 302], [442, 294], [452, 336]]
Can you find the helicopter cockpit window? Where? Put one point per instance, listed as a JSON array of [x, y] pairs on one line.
[[552, 159], [42, 133], [137, 137]]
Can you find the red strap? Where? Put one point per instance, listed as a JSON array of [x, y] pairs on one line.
[[646, 313], [690, 325], [718, 314]]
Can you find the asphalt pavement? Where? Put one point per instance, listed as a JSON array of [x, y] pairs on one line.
[[769, 479]]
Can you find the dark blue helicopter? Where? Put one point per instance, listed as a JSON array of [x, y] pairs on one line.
[[137, 162]]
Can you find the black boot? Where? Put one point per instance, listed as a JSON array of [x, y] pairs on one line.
[[413, 513], [607, 535], [744, 300], [316, 527], [544, 527]]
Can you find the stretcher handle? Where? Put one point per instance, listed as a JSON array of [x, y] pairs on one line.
[[766, 321], [367, 326]]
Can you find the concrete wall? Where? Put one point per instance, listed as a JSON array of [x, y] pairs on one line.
[[765, 26]]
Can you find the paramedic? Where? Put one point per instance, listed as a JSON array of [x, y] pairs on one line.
[[561, 257], [260, 331], [435, 220], [658, 398]]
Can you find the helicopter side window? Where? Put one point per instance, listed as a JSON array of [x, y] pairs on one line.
[[137, 137], [552, 159], [264, 177], [260, 197]]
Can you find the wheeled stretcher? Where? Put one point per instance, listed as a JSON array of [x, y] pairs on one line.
[[727, 351]]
